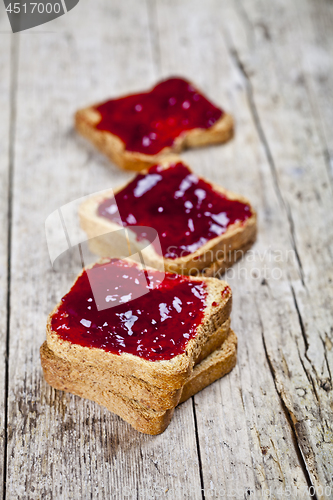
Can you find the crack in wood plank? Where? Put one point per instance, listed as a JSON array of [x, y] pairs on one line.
[[310, 371], [62, 446], [179, 39], [235, 56], [306, 343], [11, 141], [290, 417], [256, 119], [95, 442], [198, 448]]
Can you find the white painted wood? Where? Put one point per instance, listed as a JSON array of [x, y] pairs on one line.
[[6, 100], [61, 446]]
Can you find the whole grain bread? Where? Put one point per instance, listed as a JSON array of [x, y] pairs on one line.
[[228, 258], [114, 148], [57, 373], [216, 365], [131, 387], [214, 257], [167, 374]]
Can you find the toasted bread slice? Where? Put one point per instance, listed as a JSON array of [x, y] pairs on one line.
[[57, 372], [131, 387], [169, 373], [228, 259], [214, 256], [88, 120], [216, 365]]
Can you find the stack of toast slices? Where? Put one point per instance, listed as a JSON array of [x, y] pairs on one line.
[[148, 326], [141, 357]]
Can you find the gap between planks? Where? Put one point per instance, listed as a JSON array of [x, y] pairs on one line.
[[12, 117]]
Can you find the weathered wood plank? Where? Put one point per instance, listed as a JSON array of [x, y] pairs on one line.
[[294, 311], [246, 443], [314, 28], [61, 446], [7, 96]]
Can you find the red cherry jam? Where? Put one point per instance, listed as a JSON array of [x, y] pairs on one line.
[[118, 307], [151, 121], [184, 209]]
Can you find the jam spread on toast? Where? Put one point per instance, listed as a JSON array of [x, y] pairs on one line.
[[153, 315], [150, 121], [185, 210]]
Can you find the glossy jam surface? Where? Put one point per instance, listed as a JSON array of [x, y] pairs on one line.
[[184, 209], [155, 325], [151, 121]]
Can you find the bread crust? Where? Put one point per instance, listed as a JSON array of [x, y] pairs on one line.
[[131, 387], [57, 372], [142, 419], [219, 266], [214, 257], [166, 374], [114, 148], [215, 366]]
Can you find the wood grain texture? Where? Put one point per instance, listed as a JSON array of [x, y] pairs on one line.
[[61, 446], [243, 420], [7, 104], [294, 312], [314, 34], [265, 431]]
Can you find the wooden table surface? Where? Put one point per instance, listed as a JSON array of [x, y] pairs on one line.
[[264, 431]]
